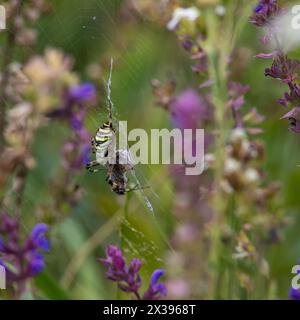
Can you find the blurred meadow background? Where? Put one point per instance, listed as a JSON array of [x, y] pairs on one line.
[[135, 35]]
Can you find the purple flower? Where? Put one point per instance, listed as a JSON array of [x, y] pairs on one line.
[[115, 257], [135, 266], [198, 55], [187, 43], [82, 92], [36, 263], [37, 238], [26, 257], [73, 102], [188, 110], [74, 111], [293, 118], [85, 154], [236, 94], [284, 69], [156, 290], [265, 6], [294, 294], [259, 8], [270, 55], [128, 278], [76, 122], [264, 12]]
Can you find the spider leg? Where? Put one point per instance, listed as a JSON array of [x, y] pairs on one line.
[[91, 166]]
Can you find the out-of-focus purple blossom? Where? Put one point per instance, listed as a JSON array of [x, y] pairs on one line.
[[264, 6], [178, 288], [188, 110], [25, 256], [294, 294], [270, 55], [264, 12], [74, 101], [187, 43], [85, 154], [74, 110], [284, 69], [197, 53], [293, 117], [156, 290], [236, 94], [77, 122], [259, 8], [37, 239], [128, 277], [200, 59], [82, 93]]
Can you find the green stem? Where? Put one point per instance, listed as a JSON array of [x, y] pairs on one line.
[[219, 47], [217, 54]]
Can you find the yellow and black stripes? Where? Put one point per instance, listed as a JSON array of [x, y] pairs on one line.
[[102, 140], [100, 145]]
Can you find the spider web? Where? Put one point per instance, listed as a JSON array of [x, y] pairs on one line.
[[133, 238]]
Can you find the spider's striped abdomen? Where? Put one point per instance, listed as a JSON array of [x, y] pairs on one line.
[[102, 141]]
